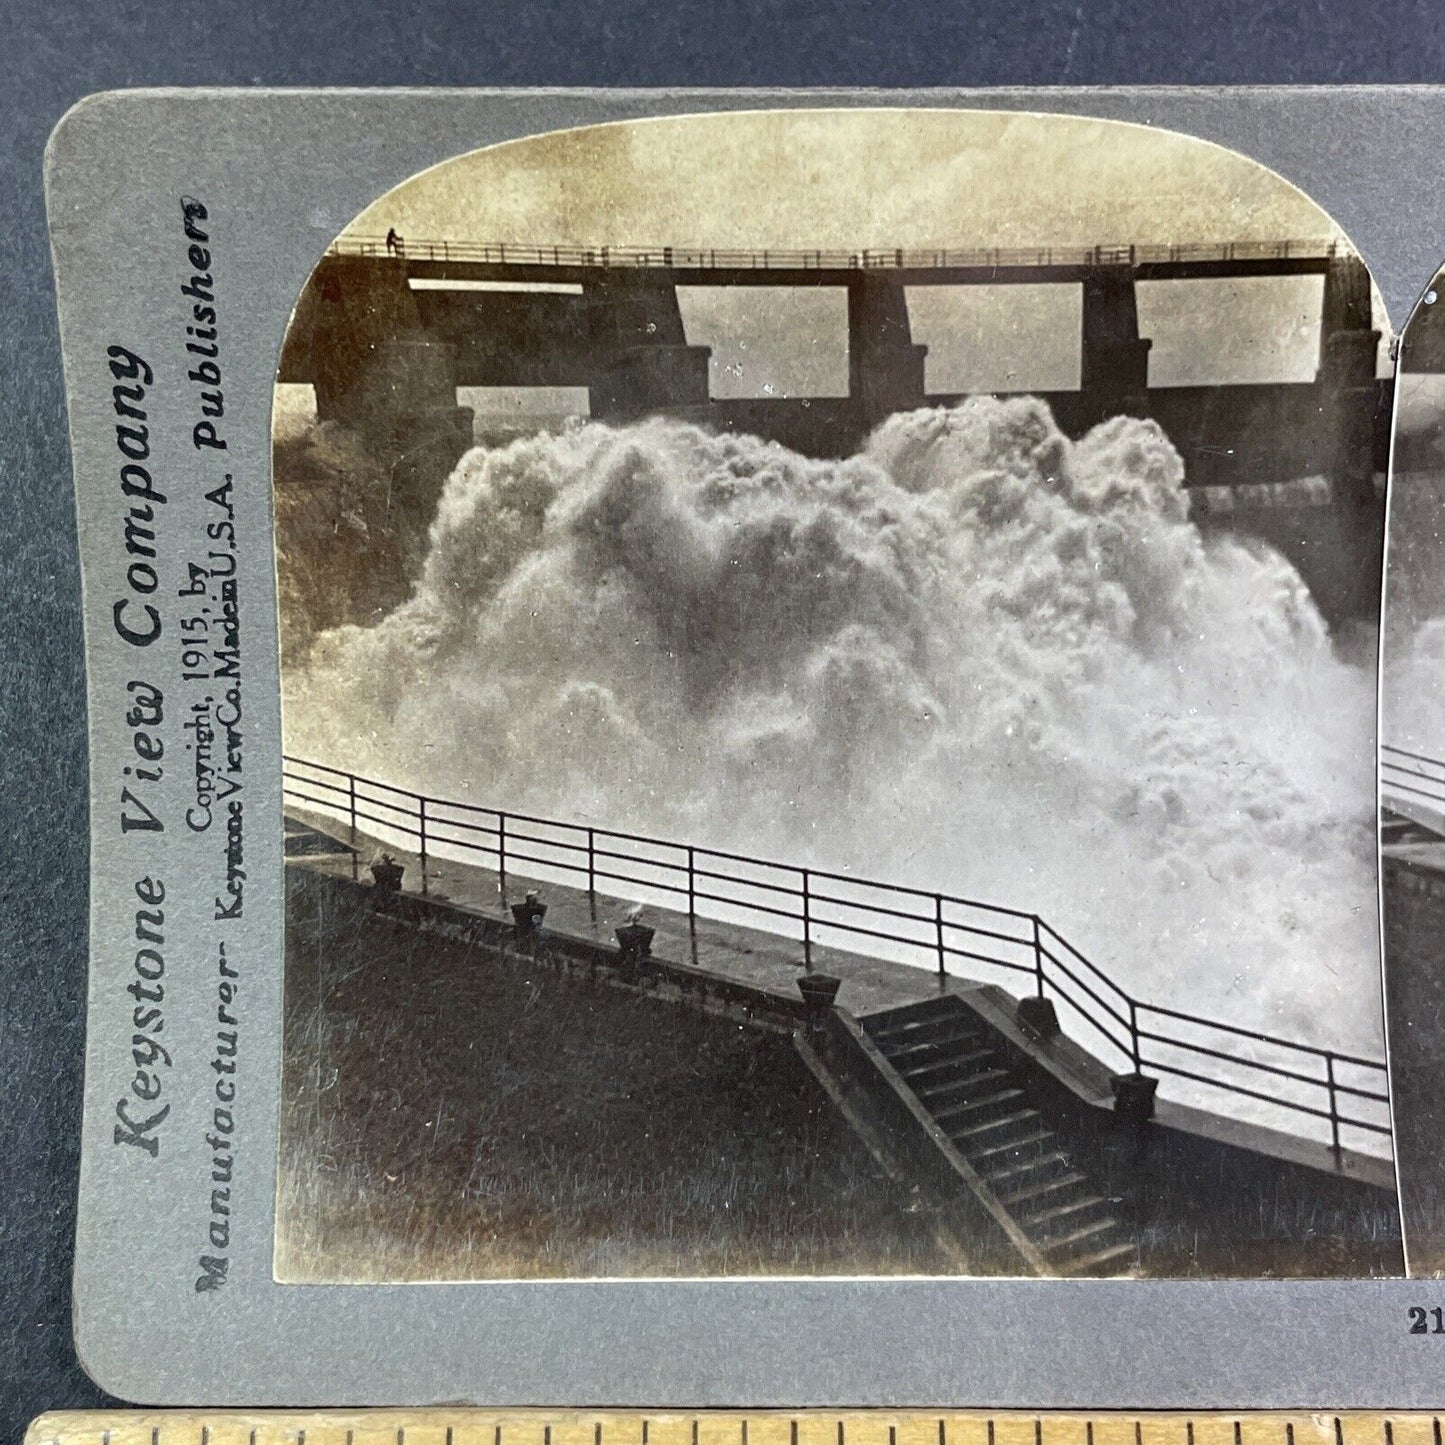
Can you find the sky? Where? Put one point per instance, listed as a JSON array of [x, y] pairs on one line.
[[888, 178]]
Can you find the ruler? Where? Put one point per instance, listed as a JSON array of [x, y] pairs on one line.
[[730, 1427]]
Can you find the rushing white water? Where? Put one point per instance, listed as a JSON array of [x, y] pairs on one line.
[[1413, 671], [974, 656]]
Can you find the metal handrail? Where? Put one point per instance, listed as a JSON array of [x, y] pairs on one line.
[[945, 927], [685, 258], [1399, 764]]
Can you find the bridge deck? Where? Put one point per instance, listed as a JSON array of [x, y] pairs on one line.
[[1041, 273], [456, 260]]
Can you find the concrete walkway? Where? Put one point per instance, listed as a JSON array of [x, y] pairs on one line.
[[770, 964], [742, 955]]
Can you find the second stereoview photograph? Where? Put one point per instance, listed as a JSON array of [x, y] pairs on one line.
[[1412, 780], [829, 708]]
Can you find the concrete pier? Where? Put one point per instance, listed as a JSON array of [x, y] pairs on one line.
[[1114, 358], [885, 367]]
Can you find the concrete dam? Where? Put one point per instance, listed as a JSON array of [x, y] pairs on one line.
[[387, 331]]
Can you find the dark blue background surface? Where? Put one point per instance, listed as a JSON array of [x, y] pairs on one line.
[[51, 57]]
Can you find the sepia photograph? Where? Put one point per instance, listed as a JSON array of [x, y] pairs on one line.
[[1412, 779], [829, 707]]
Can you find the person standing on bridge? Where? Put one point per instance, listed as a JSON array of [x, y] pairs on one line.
[[394, 245]]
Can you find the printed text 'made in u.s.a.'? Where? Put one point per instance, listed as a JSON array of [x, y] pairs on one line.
[[210, 616]]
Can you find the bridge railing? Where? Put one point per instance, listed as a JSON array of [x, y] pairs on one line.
[[1412, 776], [682, 258], [1335, 1096]]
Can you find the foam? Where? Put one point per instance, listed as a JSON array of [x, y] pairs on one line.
[[975, 656]]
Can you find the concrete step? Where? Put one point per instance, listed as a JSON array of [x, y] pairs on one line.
[[927, 1077], [926, 1030], [988, 1128], [907, 1053], [1024, 1172], [982, 1106], [1061, 1216], [909, 1014], [1033, 1139], [1111, 1260], [1044, 1189], [1091, 1232], [984, 1078]]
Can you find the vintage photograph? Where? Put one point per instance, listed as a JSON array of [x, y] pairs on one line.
[[830, 718], [1412, 779]]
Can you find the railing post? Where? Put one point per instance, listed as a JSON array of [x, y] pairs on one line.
[[1038, 957], [502, 851], [421, 819], [938, 926], [807, 924], [1334, 1107], [591, 861], [1134, 1036], [351, 799], [691, 891]]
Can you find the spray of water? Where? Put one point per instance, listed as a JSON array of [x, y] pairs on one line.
[[975, 656], [1413, 662]]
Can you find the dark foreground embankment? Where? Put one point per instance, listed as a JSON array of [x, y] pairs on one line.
[[458, 1112], [1414, 902]]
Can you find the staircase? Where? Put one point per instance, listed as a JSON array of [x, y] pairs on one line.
[[963, 1078]]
